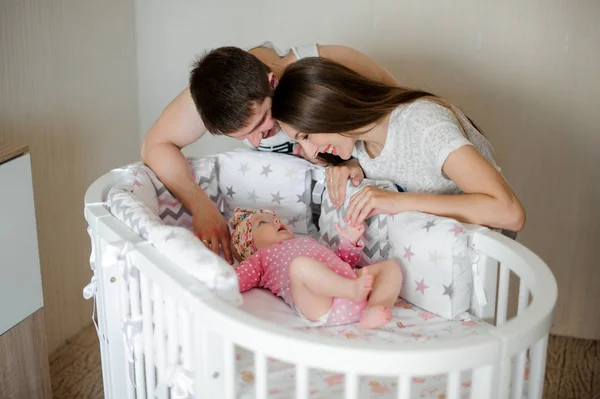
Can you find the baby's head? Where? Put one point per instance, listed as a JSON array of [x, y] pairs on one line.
[[253, 229]]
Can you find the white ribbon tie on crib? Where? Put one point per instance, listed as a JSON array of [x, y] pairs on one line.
[[474, 256], [318, 175], [132, 329], [180, 381], [114, 253], [90, 290]]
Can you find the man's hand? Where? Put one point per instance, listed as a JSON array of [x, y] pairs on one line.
[[210, 226]]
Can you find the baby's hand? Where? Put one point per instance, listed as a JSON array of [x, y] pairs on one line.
[[351, 233]]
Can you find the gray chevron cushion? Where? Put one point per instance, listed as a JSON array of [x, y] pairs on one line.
[[144, 204], [375, 238], [133, 200], [171, 211], [140, 199]]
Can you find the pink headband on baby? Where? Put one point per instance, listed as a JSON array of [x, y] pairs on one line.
[[241, 230]]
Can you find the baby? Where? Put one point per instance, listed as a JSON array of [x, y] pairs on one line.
[[321, 285]]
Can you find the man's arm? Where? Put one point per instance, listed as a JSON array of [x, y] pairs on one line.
[[180, 125], [359, 62]]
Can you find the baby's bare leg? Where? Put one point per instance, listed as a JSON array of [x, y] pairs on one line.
[[313, 285], [386, 288]]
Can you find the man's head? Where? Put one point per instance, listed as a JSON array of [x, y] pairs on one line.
[[232, 91], [253, 229]]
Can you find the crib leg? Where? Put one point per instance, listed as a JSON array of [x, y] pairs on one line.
[[114, 370]]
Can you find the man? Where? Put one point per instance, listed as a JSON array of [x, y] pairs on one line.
[[230, 94]]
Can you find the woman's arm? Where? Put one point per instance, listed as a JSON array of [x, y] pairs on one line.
[[487, 200]]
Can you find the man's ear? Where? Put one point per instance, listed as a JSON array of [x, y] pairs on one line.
[[273, 81]]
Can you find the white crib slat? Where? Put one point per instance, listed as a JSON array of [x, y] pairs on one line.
[[504, 379], [159, 339], [172, 336], [260, 373], [523, 296], [482, 382], [97, 252], [134, 297], [186, 341], [212, 362], [519, 376], [301, 381], [125, 315], [229, 356], [503, 295], [453, 385], [351, 386], [147, 331], [404, 384], [200, 371], [537, 371]]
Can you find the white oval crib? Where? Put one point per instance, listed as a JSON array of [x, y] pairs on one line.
[[163, 334]]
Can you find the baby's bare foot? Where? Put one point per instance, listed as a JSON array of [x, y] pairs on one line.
[[363, 286], [375, 316]]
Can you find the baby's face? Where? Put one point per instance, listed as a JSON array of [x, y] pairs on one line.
[[268, 230]]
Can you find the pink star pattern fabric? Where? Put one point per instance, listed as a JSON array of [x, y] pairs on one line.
[[456, 229], [408, 253], [421, 286], [407, 326], [427, 315], [269, 268], [436, 256]]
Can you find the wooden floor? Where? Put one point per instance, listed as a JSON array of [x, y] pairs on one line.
[[75, 367], [573, 368]]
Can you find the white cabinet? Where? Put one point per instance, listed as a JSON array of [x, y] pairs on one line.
[[20, 278], [24, 371]]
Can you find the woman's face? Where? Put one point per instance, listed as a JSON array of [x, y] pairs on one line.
[[320, 143]]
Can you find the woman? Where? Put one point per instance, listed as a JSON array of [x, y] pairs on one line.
[[412, 138]]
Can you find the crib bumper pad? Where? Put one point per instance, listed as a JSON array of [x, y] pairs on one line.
[[433, 251]]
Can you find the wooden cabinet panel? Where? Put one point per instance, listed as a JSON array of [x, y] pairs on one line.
[[24, 371]]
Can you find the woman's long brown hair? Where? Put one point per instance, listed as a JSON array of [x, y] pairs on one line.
[[317, 95]]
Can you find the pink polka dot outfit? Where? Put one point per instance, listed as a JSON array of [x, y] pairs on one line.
[[269, 268]]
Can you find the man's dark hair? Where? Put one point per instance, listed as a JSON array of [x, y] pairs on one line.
[[225, 84]]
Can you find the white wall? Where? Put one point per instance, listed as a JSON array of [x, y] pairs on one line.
[[526, 72], [68, 89]]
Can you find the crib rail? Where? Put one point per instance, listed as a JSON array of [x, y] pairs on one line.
[[167, 336]]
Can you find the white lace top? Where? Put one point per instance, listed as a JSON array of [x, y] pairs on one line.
[[420, 137]]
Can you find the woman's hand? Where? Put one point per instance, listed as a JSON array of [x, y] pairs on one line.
[[337, 178], [372, 201]]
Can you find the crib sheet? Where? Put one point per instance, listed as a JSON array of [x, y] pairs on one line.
[[409, 324]]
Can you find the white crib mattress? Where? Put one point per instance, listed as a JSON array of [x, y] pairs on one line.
[[409, 324]]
